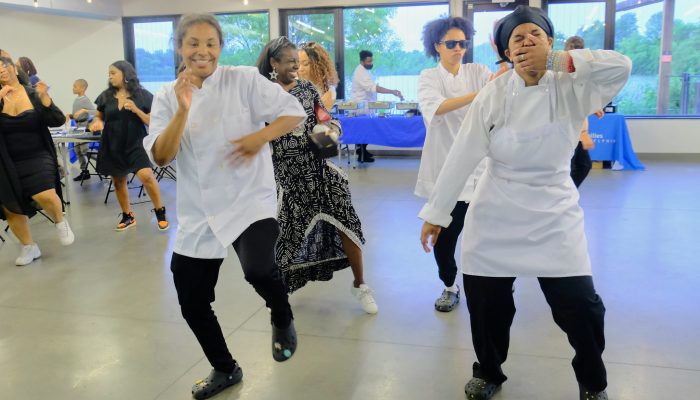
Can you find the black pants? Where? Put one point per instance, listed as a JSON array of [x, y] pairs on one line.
[[576, 308], [195, 279], [444, 249], [580, 165]]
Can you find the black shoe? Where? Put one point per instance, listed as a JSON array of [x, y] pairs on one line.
[[82, 176], [585, 394], [216, 382], [365, 158], [479, 389], [284, 342], [163, 223]]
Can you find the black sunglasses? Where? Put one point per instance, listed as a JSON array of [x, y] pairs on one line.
[[451, 44]]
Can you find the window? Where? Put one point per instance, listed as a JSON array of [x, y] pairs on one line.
[[586, 20], [245, 35], [665, 77], [149, 44], [638, 35], [153, 54], [394, 36], [316, 27], [684, 79]]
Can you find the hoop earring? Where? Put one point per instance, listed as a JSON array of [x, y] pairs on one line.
[[273, 74]]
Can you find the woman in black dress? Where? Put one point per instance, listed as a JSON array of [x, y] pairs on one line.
[[28, 170], [123, 112], [320, 230]]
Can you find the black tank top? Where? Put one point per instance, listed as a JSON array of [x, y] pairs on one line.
[[22, 135]]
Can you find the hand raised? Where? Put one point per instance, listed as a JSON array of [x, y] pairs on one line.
[[183, 89], [131, 106], [533, 57], [42, 89]]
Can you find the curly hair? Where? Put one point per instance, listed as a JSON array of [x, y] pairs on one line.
[[322, 71], [435, 30]]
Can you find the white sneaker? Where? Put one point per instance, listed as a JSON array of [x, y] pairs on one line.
[[65, 234], [364, 294], [28, 254]]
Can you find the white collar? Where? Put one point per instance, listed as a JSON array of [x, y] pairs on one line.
[[445, 72]]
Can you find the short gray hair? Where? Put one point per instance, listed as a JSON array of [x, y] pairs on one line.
[[575, 43], [188, 20]]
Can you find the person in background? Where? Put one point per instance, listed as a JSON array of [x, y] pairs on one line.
[[445, 93], [316, 66], [525, 219], [28, 169], [83, 108], [123, 112], [320, 232], [365, 88], [21, 75], [26, 65], [225, 188]]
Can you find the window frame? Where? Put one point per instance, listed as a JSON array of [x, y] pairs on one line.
[[340, 28], [609, 42]]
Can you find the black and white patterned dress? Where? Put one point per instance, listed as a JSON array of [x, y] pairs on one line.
[[314, 204]]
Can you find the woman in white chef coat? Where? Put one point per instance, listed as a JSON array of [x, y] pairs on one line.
[[213, 120], [445, 93], [525, 218]]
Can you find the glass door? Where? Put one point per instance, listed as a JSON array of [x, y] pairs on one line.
[[323, 26], [484, 14]]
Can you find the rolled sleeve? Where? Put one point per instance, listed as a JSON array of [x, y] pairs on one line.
[[600, 75], [435, 216], [161, 114]]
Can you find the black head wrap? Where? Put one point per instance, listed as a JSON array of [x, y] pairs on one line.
[[521, 15]]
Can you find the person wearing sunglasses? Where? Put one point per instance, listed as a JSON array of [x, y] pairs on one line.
[[365, 88], [444, 94], [525, 219]]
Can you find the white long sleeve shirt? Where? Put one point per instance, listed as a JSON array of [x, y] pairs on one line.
[[436, 85], [599, 76], [217, 201], [364, 87], [525, 218]]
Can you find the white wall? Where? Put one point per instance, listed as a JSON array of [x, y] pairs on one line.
[[63, 49], [665, 135]]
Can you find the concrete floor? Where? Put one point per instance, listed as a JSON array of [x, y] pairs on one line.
[[100, 320]]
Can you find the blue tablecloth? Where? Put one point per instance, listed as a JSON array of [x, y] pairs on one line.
[[387, 131], [612, 141]]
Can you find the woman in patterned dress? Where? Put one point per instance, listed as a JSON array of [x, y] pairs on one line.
[[320, 230]]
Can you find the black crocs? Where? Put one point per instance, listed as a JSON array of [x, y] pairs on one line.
[[215, 383], [284, 342], [480, 389]]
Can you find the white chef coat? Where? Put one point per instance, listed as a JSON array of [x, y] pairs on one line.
[[436, 85], [364, 88], [216, 201], [524, 218]]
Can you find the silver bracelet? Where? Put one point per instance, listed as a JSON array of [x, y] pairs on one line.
[[556, 61], [550, 60]]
